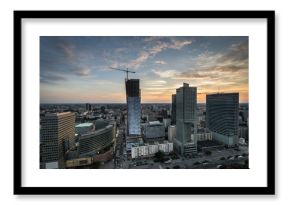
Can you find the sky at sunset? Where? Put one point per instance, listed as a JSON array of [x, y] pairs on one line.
[[77, 69]]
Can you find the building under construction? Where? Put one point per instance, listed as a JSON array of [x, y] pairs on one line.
[[133, 97]]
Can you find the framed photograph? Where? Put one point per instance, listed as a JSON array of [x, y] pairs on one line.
[[144, 102]]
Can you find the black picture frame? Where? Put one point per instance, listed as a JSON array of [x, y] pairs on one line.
[[268, 190]]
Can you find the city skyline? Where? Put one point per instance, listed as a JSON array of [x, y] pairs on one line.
[[76, 69]]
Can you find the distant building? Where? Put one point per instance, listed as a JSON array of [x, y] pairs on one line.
[[222, 117], [154, 131], [171, 133], [242, 141], [88, 107], [186, 118], [148, 150], [84, 128], [166, 122], [243, 132], [202, 136], [173, 110], [57, 137], [79, 162], [133, 107]]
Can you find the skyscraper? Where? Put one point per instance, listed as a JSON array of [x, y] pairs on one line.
[[185, 118], [57, 137], [133, 107], [88, 107], [222, 117], [173, 110]]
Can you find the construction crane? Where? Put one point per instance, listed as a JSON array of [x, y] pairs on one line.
[[127, 71]]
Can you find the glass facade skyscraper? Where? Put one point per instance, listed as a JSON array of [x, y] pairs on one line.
[[186, 104], [222, 117], [133, 107], [173, 110]]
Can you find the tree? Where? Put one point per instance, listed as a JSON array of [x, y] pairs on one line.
[[159, 156]]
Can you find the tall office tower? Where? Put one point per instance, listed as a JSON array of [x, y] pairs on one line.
[[173, 110], [222, 117], [186, 115], [88, 106], [57, 137], [133, 107]]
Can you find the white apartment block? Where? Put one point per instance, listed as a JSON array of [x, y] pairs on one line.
[[201, 137], [150, 149]]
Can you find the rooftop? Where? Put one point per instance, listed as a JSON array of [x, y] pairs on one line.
[[57, 114], [155, 123], [87, 124]]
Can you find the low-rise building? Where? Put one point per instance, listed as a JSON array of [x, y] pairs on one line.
[[171, 132], [243, 132], [148, 150], [154, 131], [201, 136], [84, 128]]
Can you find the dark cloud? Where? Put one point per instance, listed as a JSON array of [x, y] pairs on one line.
[[237, 53], [214, 72], [229, 68], [233, 61]]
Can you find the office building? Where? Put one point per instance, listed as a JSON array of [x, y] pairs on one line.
[[205, 136], [173, 110], [244, 132], [222, 117], [84, 127], [57, 137], [97, 141], [186, 118], [166, 122], [133, 107], [88, 107], [171, 132], [154, 131]]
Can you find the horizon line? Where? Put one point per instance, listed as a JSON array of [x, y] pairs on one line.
[[120, 102]]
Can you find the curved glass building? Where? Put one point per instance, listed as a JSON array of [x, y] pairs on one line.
[[95, 142], [222, 112]]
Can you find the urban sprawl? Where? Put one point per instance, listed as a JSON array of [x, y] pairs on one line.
[[181, 135]]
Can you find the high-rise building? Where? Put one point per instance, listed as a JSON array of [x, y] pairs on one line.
[[88, 107], [186, 117], [154, 131], [133, 107], [173, 110], [222, 117], [57, 137]]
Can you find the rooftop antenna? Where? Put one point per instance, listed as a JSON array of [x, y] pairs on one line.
[[127, 71]]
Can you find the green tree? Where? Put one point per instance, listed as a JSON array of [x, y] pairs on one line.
[[159, 156]]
